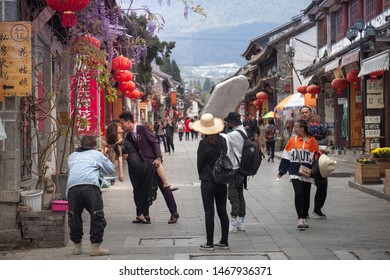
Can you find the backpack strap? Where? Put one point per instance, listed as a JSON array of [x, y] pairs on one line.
[[245, 138]]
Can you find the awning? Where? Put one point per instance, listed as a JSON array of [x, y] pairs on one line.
[[350, 58], [376, 62], [332, 65]]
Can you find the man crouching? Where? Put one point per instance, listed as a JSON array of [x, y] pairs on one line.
[[83, 192]]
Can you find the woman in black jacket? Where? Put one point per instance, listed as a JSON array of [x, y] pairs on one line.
[[210, 147]]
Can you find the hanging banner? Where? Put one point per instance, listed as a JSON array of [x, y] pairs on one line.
[[87, 104], [15, 59], [375, 94]]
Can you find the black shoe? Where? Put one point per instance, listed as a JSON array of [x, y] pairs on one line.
[[269, 159], [319, 214]]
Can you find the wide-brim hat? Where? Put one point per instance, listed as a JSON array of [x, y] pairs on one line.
[[208, 125], [326, 165], [233, 118]]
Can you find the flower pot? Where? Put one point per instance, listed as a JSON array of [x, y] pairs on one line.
[[383, 164], [367, 173]]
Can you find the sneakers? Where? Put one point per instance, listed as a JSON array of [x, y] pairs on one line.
[[301, 224], [97, 250], [240, 224], [319, 214], [220, 245], [206, 247], [305, 223], [77, 250], [233, 225]]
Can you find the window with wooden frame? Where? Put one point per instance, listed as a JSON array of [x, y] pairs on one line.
[[386, 4], [369, 10], [339, 25], [353, 12]]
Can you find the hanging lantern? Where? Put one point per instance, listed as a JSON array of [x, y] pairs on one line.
[[123, 76], [302, 89], [374, 75], [353, 78], [256, 103], [68, 9], [262, 95], [127, 86], [140, 95], [339, 84], [121, 63], [313, 89]]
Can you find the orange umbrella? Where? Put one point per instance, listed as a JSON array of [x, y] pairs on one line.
[[296, 101]]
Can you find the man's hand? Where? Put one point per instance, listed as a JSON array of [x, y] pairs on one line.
[[157, 162]]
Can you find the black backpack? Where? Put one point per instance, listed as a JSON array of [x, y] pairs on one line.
[[251, 157], [222, 171]]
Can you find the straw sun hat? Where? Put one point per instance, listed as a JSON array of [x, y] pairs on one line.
[[208, 124]]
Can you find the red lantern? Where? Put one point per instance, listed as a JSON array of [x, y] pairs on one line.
[[121, 63], [339, 84], [353, 78], [256, 102], [374, 75], [123, 76], [262, 95], [313, 89], [67, 9], [141, 94], [302, 89], [127, 86]]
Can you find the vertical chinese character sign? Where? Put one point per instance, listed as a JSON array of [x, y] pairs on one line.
[[89, 110], [15, 59]]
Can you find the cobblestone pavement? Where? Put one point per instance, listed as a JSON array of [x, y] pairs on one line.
[[357, 226]]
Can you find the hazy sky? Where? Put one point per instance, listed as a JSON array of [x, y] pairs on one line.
[[220, 13]]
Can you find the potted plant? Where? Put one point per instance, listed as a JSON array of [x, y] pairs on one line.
[[367, 170], [382, 157]]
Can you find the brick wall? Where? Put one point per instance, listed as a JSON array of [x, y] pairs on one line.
[[44, 229]]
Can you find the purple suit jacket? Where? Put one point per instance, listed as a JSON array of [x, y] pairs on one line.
[[146, 143]]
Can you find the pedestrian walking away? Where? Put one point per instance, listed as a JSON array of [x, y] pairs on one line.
[[180, 128], [319, 133], [270, 139], [149, 150], [209, 149], [169, 133], [159, 131], [83, 192], [299, 152], [235, 143]]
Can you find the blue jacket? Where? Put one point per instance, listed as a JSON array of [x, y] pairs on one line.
[[85, 166]]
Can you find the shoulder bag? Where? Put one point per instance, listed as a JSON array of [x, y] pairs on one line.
[[303, 170]]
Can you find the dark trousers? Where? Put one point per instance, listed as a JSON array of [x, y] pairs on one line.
[[168, 197], [161, 138], [180, 135], [212, 192], [302, 197], [87, 197], [270, 148], [170, 144], [322, 190], [236, 196]]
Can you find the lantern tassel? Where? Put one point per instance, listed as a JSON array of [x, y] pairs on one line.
[[68, 19]]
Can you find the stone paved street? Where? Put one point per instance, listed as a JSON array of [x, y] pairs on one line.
[[357, 226]]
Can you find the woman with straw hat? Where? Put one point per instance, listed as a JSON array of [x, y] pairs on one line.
[[210, 147]]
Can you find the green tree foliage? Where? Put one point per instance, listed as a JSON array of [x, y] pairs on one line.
[[207, 85]]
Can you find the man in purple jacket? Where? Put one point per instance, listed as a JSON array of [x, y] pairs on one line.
[[149, 149]]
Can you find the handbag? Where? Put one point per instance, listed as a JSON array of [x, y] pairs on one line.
[[303, 170], [222, 171]]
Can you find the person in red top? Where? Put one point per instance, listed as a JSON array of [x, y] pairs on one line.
[[187, 128]]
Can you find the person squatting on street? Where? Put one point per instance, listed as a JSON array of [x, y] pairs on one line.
[[209, 149], [235, 143], [83, 192], [319, 133], [304, 144], [148, 148]]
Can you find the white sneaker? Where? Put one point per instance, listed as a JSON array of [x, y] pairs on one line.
[[240, 224], [233, 225], [305, 223], [301, 224]]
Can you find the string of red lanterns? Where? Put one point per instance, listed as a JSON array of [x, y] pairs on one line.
[[339, 84]]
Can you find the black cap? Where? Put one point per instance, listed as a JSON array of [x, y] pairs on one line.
[[233, 118]]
